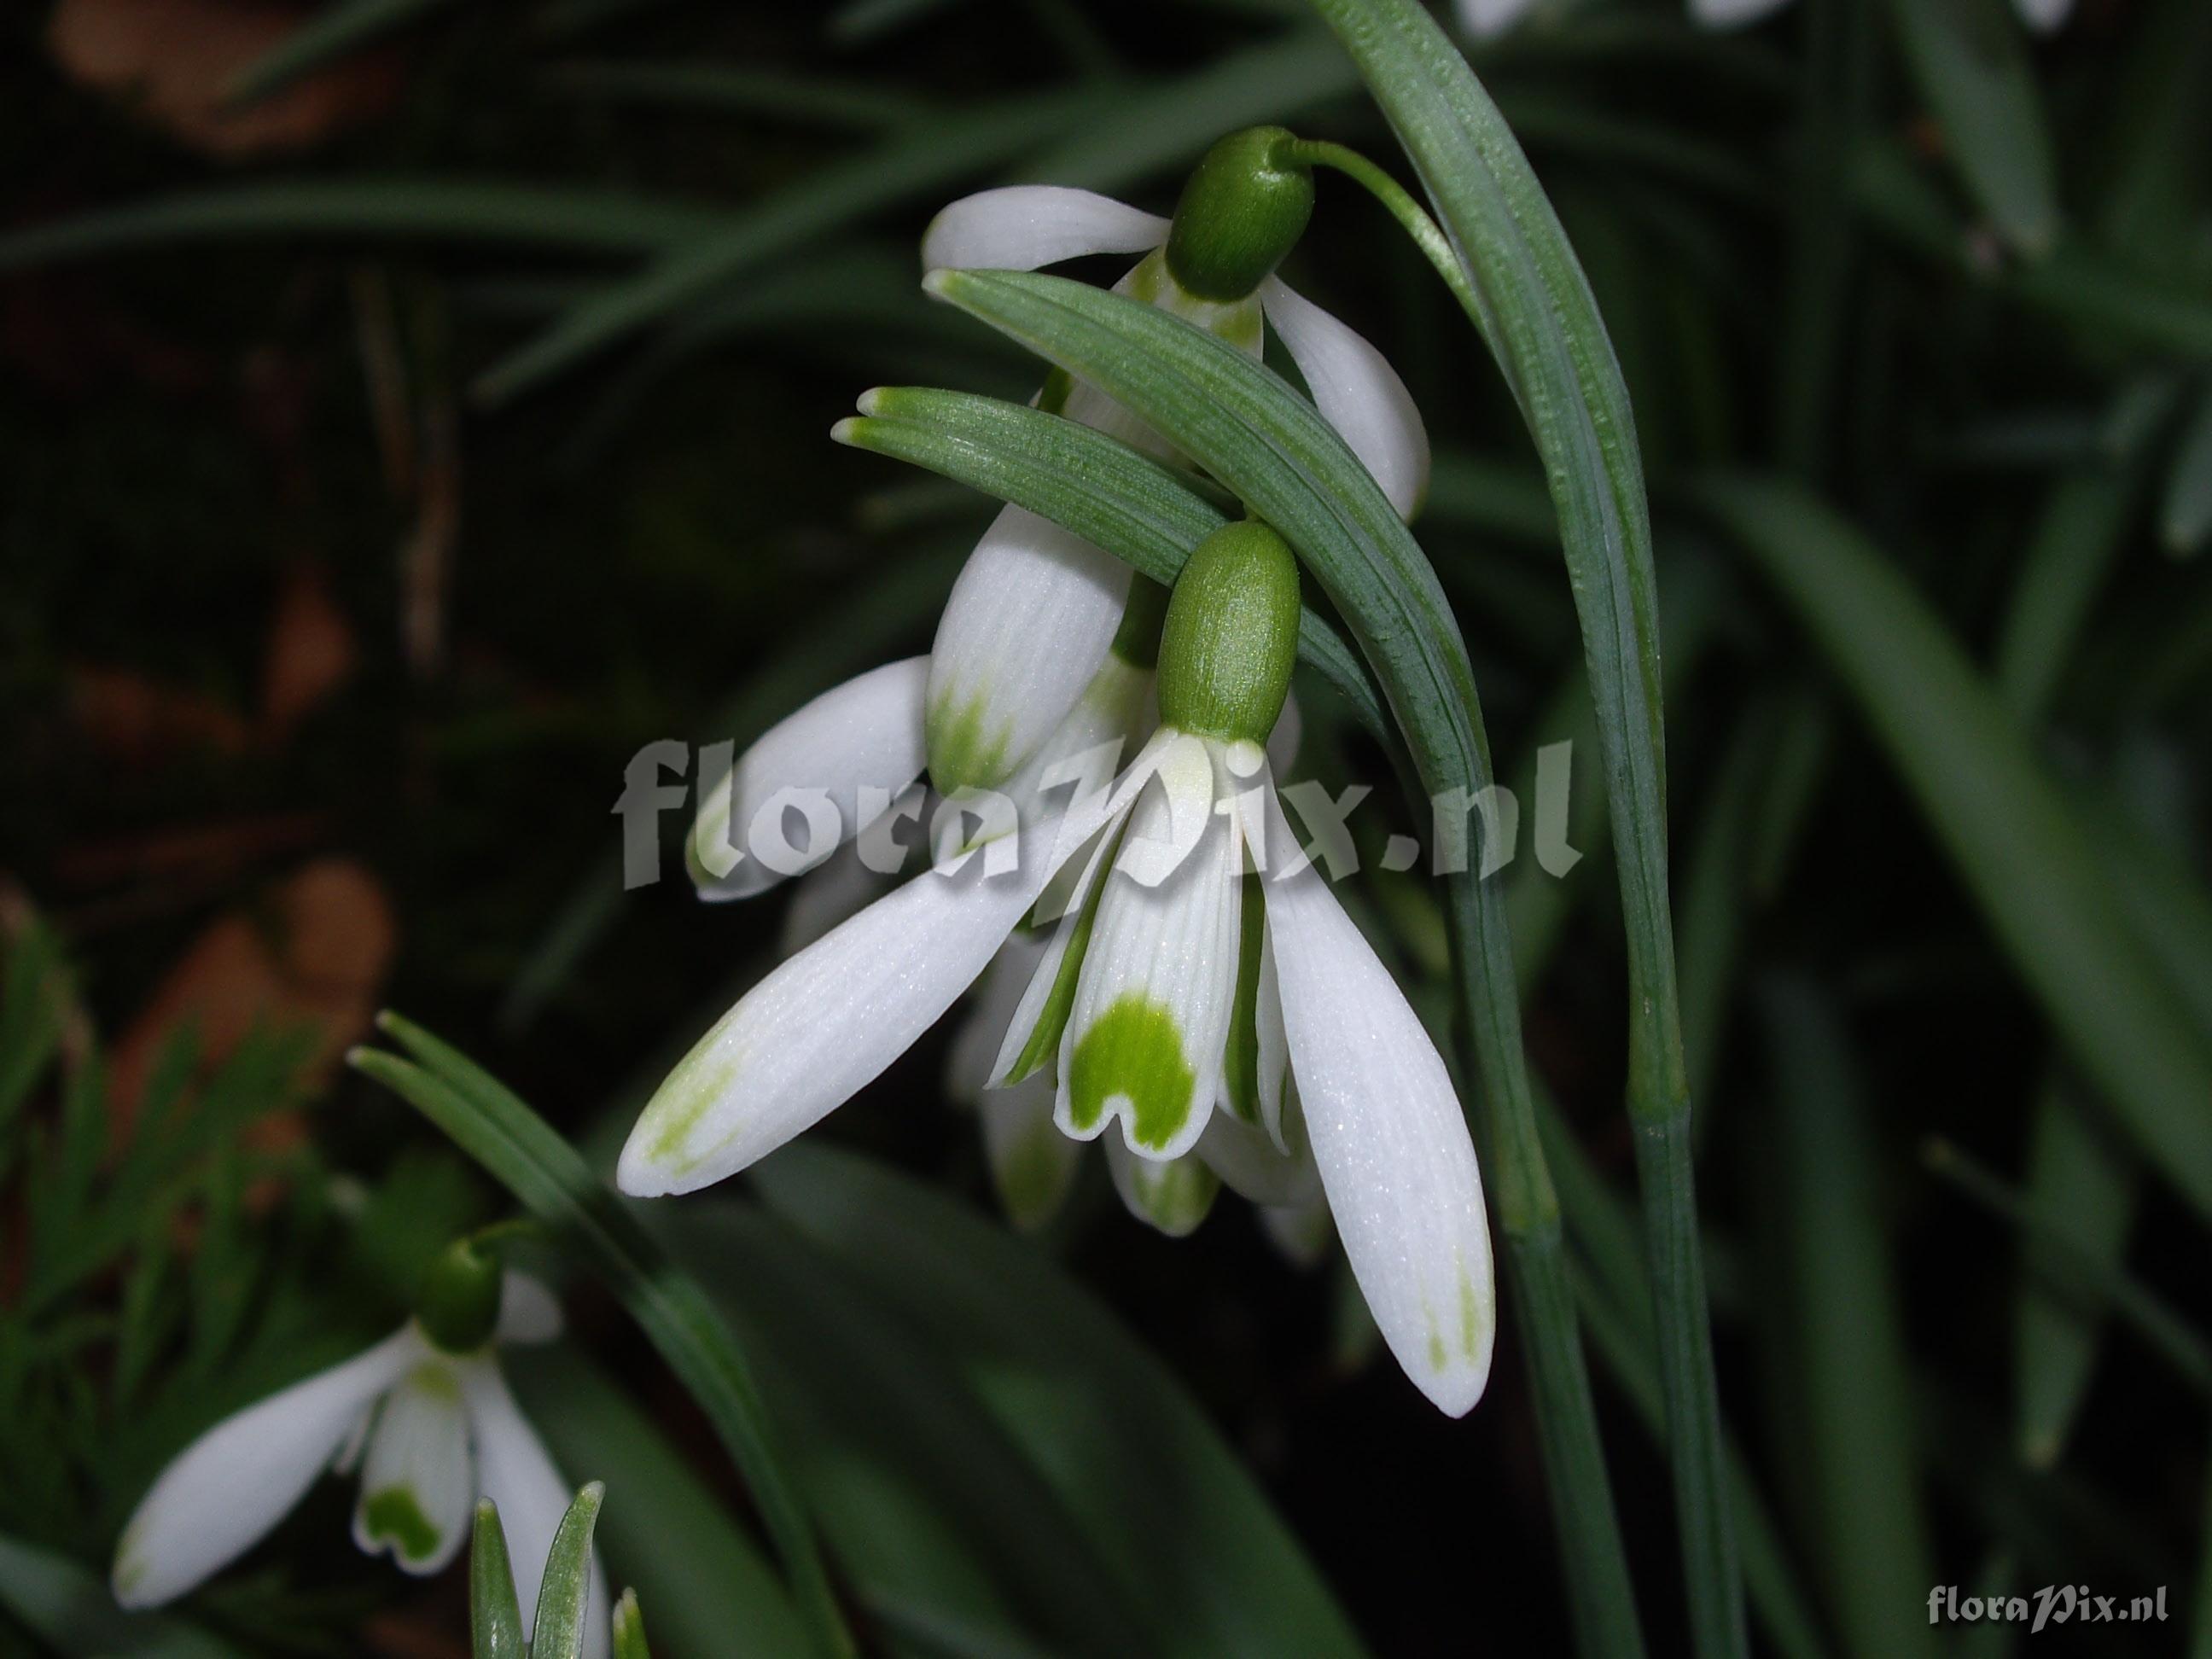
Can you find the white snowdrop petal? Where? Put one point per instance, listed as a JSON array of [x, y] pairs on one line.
[[515, 1471], [416, 1484], [1032, 1163], [2045, 16], [975, 1048], [1253, 1166], [1389, 1140], [1029, 623], [1170, 1195], [824, 1023], [822, 898], [227, 1489], [528, 1311], [796, 796], [1357, 392], [1158, 984], [1023, 227]]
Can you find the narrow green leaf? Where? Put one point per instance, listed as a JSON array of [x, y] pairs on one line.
[[1533, 308], [329, 34], [1777, 1600], [495, 1617], [1165, 1501], [1971, 63], [564, 1597], [2021, 852], [2185, 515], [912, 163], [2079, 1270], [1851, 1372], [2085, 1187], [731, 89], [926, 1497], [494, 1126], [1089, 482], [2077, 539], [426, 210], [1247, 427], [2073, 283], [1152, 129], [669, 1533], [70, 1607]]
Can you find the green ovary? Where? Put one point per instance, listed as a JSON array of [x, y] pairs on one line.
[[1134, 1051], [965, 753], [393, 1514]]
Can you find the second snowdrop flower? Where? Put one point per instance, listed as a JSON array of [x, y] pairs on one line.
[[428, 1417], [1034, 609]]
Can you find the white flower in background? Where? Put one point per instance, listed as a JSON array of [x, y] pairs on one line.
[[1484, 19], [432, 1426], [1180, 976]]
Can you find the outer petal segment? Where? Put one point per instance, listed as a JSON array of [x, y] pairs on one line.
[[1389, 1138], [1029, 621], [1023, 226], [1357, 391], [856, 746], [824, 1023], [236, 1482]]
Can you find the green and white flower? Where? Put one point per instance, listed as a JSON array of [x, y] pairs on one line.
[[1483, 19], [1033, 613], [1186, 970], [430, 1422]]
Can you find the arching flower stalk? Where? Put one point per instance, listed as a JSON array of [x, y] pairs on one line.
[[1026, 640], [427, 1417], [1188, 969]]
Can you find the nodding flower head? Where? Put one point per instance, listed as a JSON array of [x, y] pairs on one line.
[[1033, 613], [425, 1415], [1202, 1002]]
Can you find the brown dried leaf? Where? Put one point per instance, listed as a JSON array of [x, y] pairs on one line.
[[318, 955], [175, 61]]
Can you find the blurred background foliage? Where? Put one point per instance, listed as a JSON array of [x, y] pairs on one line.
[[407, 410]]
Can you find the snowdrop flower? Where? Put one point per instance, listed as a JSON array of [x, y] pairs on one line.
[[1026, 640], [1188, 969], [428, 1417], [1032, 613], [1484, 19]]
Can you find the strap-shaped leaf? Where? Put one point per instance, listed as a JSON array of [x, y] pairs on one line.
[[491, 1124], [1245, 425], [494, 1616], [1090, 484], [564, 1596], [1533, 308], [2022, 852], [1971, 59]]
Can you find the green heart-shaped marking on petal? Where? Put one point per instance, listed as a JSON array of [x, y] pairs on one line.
[[1134, 1051]]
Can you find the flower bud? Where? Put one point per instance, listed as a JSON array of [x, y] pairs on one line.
[[1239, 215], [1231, 636], [458, 1307]]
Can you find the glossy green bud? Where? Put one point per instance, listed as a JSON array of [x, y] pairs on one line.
[[1231, 636], [1239, 215], [459, 1307]]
